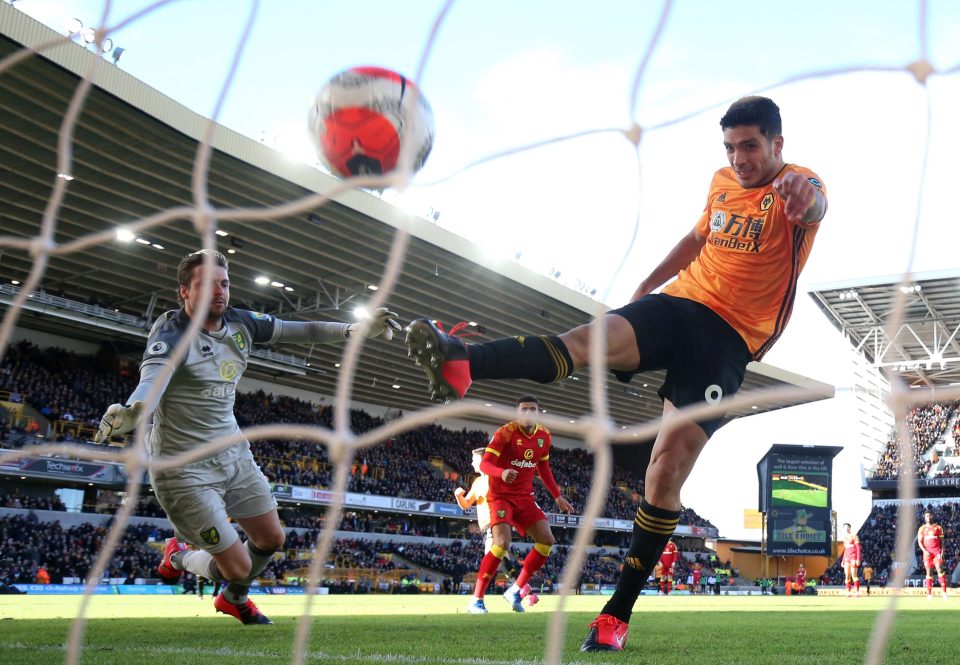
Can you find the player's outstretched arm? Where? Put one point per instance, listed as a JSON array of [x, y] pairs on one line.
[[121, 419], [382, 323], [683, 253], [464, 499], [803, 202]]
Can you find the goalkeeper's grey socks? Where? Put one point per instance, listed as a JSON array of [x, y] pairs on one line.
[[198, 562], [236, 592]]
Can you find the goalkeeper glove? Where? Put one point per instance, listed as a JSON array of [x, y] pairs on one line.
[[382, 324], [117, 420]]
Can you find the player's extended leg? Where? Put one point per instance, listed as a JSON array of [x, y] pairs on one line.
[[239, 565], [265, 538], [675, 451], [856, 579], [452, 365], [489, 565], [847, 577], [543, 542]]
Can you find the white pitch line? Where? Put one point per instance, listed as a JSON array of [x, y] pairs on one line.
[[323, 656]]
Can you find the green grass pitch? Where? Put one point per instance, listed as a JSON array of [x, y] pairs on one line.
[[415, 630], [799, 494]]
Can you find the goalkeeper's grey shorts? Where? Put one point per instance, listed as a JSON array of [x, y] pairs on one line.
[[199, 497]]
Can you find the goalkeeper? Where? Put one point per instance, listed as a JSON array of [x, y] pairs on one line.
[[194, 405]]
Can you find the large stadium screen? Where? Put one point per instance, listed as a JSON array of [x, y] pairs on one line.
[[795, 495]]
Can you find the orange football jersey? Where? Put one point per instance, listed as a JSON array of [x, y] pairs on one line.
[[748, 269]]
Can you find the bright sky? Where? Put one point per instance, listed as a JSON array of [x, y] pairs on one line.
[[501, 75]]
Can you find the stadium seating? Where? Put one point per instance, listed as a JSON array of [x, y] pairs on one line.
[[71, 390], [935, 438]]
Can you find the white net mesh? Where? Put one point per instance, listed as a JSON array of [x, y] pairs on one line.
[[596, 429]]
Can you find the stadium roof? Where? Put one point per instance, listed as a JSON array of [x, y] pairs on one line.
[[133, 154], [924, 349]]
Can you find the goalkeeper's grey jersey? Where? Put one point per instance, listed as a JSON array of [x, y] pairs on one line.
[[197, 405]]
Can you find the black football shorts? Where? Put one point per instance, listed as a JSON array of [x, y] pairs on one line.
[[704, 356]]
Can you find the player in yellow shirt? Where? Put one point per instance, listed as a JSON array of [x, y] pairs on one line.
[[735, 285]]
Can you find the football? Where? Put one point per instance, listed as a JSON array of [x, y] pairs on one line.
[[359, 119]]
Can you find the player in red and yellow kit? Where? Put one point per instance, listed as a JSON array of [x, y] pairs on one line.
[[930, 540], [517, 453], [668, 561], [736, 281], [851, 559], [477, 495]]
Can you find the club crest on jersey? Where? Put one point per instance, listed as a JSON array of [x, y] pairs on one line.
[[540, 443], [501, 514], [210, 536], [718, 221], [766, 202], [157, 348], [240, 340], [228, 370]]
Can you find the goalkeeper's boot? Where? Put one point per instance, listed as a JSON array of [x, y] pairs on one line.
[[607, 633], [246, 613], [476, 606], [169, 574], [513, 597], [442, 356]]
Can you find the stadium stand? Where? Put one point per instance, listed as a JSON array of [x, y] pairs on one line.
[[935, 438], [70, 389], [355, 565]]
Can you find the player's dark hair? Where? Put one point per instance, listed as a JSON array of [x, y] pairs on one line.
[[758, 111], [848, 524], [190, 262], [528, 398]]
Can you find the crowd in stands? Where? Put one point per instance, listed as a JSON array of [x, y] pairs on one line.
[[17, 499], [61, 385], [27, 544], [67, 386], [927, 425]]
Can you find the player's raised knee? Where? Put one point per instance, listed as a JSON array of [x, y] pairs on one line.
[[271, 541]]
